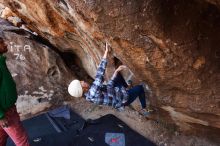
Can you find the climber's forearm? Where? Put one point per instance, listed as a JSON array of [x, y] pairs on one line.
[[112, 80], [114, 74], [105, 55]]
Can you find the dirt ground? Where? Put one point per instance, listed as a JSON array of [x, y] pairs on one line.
[[156, 132]]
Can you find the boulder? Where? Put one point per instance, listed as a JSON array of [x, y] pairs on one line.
[[40, 73], [171, 45]]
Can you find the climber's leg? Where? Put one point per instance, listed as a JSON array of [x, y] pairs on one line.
[[133, 93]]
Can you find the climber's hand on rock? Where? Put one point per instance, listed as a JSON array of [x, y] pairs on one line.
[[121, 67]]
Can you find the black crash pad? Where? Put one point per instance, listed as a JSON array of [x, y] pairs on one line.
[[47, 130], [48, 127], [94, 134]]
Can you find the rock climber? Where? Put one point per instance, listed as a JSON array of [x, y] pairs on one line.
[[115, 93], [10, 124]]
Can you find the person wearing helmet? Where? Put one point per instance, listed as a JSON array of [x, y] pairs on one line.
[[114, 94]]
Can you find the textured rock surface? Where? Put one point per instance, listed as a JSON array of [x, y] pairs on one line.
[[38, 71], [172, 45]]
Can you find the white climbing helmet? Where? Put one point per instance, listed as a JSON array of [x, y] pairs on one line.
[[75, 89]]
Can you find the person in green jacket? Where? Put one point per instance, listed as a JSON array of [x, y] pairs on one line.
[[10, 124]]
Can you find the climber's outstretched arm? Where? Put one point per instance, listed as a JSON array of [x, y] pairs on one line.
[[112, 80], [99, 78], [102, 67]]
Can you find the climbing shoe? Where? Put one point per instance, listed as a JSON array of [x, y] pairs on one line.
[[144, 112], [130, 84]]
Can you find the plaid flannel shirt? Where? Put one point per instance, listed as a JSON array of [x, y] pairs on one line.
[[106, 94]]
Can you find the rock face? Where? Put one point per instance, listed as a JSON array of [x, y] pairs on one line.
[[38, 71], [171, 45]]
